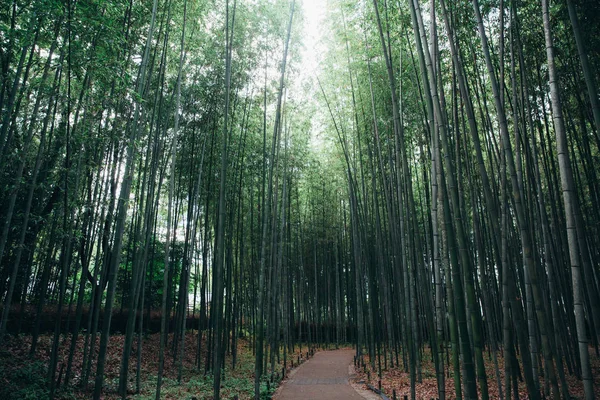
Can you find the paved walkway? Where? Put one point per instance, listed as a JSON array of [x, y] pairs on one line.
[[325, 376]]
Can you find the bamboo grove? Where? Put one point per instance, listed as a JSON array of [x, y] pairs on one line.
[[428, 193]]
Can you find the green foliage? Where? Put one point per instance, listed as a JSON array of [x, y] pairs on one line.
[[24, 381], [154, 272]]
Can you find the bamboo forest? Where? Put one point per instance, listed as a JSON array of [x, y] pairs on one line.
[[238, 199]]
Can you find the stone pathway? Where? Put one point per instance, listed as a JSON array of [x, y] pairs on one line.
[[325, 376]]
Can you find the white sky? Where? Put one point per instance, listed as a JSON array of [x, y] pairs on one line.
[[313, 31], [314, 16]]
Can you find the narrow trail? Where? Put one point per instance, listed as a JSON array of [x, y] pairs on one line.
[[325, 376]]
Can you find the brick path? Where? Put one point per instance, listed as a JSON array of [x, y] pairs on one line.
[[325, 376]]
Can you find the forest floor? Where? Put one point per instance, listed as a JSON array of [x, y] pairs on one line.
[[22, 377], [399, 380]]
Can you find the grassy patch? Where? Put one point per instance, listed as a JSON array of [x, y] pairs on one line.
[[22, 380]]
